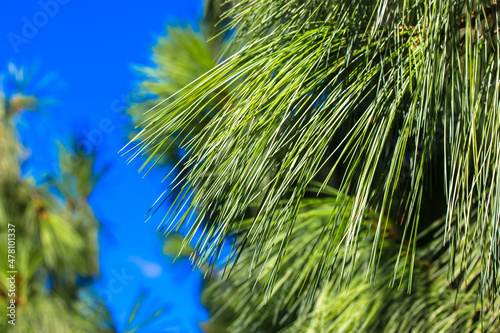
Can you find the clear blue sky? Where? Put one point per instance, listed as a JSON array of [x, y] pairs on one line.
[[88, 47]]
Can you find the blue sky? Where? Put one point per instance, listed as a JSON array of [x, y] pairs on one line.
[[87, 49]]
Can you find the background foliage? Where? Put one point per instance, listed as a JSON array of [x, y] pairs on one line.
[[55, 229], [56, 251]]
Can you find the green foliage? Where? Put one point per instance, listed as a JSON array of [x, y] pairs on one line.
[[56, 238], [132, 326], [361, 304], [395, 104], [179, 59], [55, 232]]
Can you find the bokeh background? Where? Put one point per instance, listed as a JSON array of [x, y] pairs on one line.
[[81, 59]]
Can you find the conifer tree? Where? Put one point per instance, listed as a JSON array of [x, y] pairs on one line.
[[55, 256], [348, 154], [55, 231]]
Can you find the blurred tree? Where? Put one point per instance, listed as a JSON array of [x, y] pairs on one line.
[[350, 151], [56, 246], [179, 59], [56, 236]]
